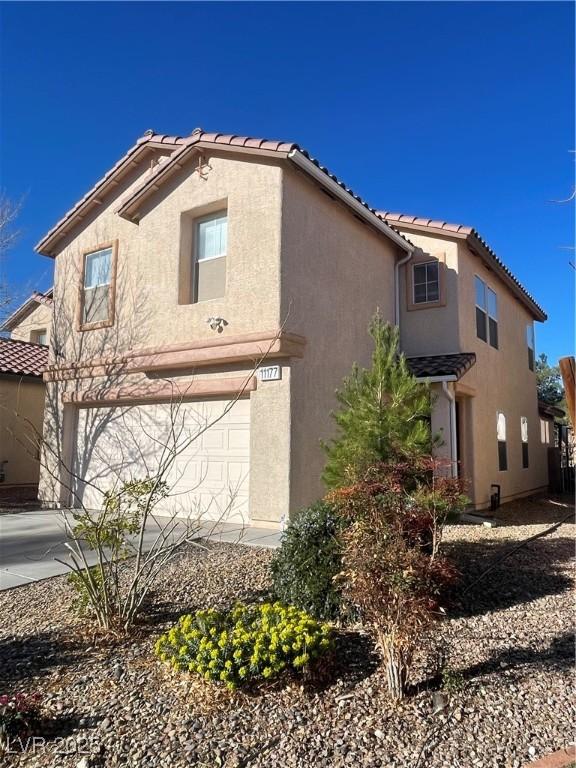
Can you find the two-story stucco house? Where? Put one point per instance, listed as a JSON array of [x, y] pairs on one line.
[[464, 308], [217, 275]]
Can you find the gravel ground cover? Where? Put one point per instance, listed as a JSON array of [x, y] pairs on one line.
[[509, 638]]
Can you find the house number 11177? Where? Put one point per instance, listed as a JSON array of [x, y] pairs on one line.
[[270, 373]]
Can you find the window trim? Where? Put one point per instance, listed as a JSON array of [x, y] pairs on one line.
[[485, 309], [34, 334], [426, 258], [81, 326]]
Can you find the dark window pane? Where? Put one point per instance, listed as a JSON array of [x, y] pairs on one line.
[[432, 271], [525, 455], [419, 293], [493, 333], [481, 324], [419, 273], [530, 359], [433, 291], [502, 457]]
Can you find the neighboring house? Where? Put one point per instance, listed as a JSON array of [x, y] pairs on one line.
[[32, 320], [21, 417], [194, 258], [469, 324]]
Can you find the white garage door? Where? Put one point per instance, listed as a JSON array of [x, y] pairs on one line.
[[209, 476]]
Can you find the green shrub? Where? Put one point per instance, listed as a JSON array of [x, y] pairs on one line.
[[250, 642], [81, 604], [304, 568]]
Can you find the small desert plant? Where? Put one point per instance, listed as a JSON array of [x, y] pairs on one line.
[[453, 681], [19, 715], [248, 643], [305, 566], [393, 573]]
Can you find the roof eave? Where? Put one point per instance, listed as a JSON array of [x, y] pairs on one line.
[[19, 314], [359, 207], [480, 248], [48, 244]]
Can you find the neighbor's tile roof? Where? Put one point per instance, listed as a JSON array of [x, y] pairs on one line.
[[22, 358], [471, 235], [427, 366]]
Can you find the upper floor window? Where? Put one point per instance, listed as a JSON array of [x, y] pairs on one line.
[[530, 343], [426, 282], [501, 435], [524, 438], [39, 337], [544, 431], [97, 300], [211, 245], [486, 313]]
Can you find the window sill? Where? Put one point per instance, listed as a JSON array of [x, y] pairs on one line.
[[95, 326]]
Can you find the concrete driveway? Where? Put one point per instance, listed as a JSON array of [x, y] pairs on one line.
[[30, 541]]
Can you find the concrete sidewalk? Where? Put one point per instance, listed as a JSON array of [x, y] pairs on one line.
[[30, 542]]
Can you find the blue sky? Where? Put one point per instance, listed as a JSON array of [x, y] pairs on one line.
[[459, 111]]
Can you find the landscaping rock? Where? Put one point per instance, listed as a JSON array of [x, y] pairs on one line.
[[508, 637]]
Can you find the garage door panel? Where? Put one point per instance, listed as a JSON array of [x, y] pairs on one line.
[[209, 477]]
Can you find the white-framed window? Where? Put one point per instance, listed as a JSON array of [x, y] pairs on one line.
[[39, 336], [530, 344], [486, 312], [501, 436], [545, 431], [524, 439], [211, 247], [97, 284], [426, 282]]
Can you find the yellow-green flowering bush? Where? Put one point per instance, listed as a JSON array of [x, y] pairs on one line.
[[250, 642]]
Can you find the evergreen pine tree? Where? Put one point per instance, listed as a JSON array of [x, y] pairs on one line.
[[384, 413]]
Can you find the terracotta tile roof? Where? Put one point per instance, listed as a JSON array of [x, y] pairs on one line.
[[22, 358], [551, 411], [180, 147], [428, 366], [477, 243]]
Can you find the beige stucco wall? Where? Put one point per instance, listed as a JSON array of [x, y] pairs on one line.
[[503, 382], [336, 272], [435, 330], [148, 312], [499, 381], [39, 319], [21, 401]]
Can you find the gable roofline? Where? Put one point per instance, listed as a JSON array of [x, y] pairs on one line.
[[199, 140], [150, 141], [476, 244], [182, 148], [26, 308]]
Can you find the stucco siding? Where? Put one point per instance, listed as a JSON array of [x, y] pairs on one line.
[[39, 319], [150, 312], [336, 272], [432, 331], [21, 416], [502, 382]]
